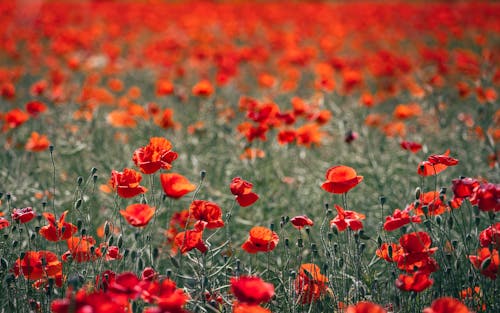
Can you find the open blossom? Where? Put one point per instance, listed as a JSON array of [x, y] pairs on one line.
[[447, 305], [300, 221], [411, 146], [487, 197], [138, 214], [418, 281], [37, 143], [487, 262], [23, 215], [242, 189], [189, 240], [208, 214], [156, 155], [435, 164], [490, 236], [251, 289], [399, 219], [260, 239], [310, 284], [57, 230], [126, 183], [38, 264], [340, 179], [347, 219], [175, 185]]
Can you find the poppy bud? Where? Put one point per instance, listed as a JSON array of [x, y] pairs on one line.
[[143, 200], [477, 220], [93, 170], [287, 243], [140, 264], [293, 274], [389, 251], [126, 252], [486, 263], [327, 206], [238, 264], [174, 262], [448, 256], [203, 173], [330, 236], [454, 243], [94, 178], [450, 222], [84, 231], [491, 215], [382, 200], [78, 203], [32, 236], [156, 253], [468, 238], [300, 243], [4, 263], [169, 273], [308, 230], [15, 243], [120, 241], [335, 248], [439, 219], [37, 229], [476, 209], [5, 236], [379, 240], [51, 148], [427, 224], [340, 262], [8, 196], [106, 229], [79, 181], [1, 195], [271, 226], [425, 209], [111, 240]]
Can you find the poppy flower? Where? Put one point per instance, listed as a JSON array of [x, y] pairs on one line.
[[248, 308], [399, 219], [300, 221], [189, 240], [208, 214], [417, 253], [251, 289], [82, 301], [23, 215], [57, 230], [389, 252], [340, 179], [121, 119], [464, 187], [252, 154], [37, 142], [167, 296], [15, 118], [164, 87], [175, 185], [486, 197], [4, 222], [416, 282], [490, 236], [286, 136], [157, 154], [242, 189], [260, 239], [446, 305], [406, 111], [82, 249], [432, 201], [435, 164], [411, 146], [443, 159], [126, 183], [38, 264], [310, 285], [486, 261], [346, 219], [34, 108], [203, 88], [125, 287], [309, 134], [365, 307], [113, 253], [165, 119], [138, 214]]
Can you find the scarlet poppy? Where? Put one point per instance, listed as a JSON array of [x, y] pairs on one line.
[[487, 261], [446, 305], [340, 179], [82, 249], [97, 301], [464, 187], [203, 88], [490, 236], [389, 252], [15, 118], [57, 230], [310, 285], [411, 146], [435, 164], [260, 239], [399, 219], [175, 185], [125, 287], [416, 282], [189, 240], [4, 222], [23, 215], [138, 214], [487, 197], [126, 183], [405, 111], [208, 214], [37, 142], [169, 298], [432, 201], [248, 308], [157, 154], [34, 108], [300, 221], [242, 189], [38, 264], [251, 289], [365, 307], [443, 159], [346, 219]]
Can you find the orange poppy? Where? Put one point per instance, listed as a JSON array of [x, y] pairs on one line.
[[446, 305], [121, 118], [405, 111], [37, 143], [175, 185], [165, 119], [487, 268], [252, 154], [38, 264], [57, 230], [310, 285], [138, 214], [365, 307], [126, 183], [435, 164], [389, 252], [189, 240], [260, 239], [157, 154], [340, 179], [82, 249], [203, 88], [164, 87], [248, 308], [208, 214]]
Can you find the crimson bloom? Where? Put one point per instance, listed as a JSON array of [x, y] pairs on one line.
[[399, 219], [38, 264], [346, 219], [57, 230], [300, 221], [23, 215], [416, 253], [166, 296], [411, 146], [242, 189], [260, 239], [464, 187], [487, 197], [490, 236], [208, 214], [4, 222], [417, 282], [189, 240], [157, 154], [203, 88], [487, 261], [248, 308], [446, 305], [83, 301], [138, 214], [340, 179], [34, 108], [365, 307], [175, 185], [251, 289], [126, 183]]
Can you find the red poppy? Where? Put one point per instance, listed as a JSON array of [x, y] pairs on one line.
[[286, 136], [435, 164], [57, 230], [189, 240], [432, 201], [248, 308], [126, 183], [251, 289], [113, 253], [82, 249], [346, 219], [15, 118], [203, 88], [34, 108], [208, 214], [411, 146], [399, 219], [38, 264], [446, 305], [138, 214], [242, 189], [4, 222], [416, 282], [490, 236], [389, 252], [124, 287], [167, 297], [165, 119], [37, 143], [175, 185], [405, 111], [340, 179], [416, 253], [464, 187], [96, 302], [260, 239], [365, 307], [487, 261], [487, 197], [310, 285], [164, 87], [443, 159], [157, 154], [23, 215], [300, 221]]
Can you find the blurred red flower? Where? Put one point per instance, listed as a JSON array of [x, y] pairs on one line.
[[490, 236], [34, 108], [365, 307], [486, 261], [23, 215], [310, 284], [464, 187], [203, 88], [487, 197], [446, 305], [37, 143], [251, 289], [38, 264], [189, 240], [138, 214], [399, 219], [411, 146], [300, 221], [416, 282]]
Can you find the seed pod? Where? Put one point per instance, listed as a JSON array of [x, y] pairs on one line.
[[79, 181]]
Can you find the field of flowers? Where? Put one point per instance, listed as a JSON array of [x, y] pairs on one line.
[[249, 157]]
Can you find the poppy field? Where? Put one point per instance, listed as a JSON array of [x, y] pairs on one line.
[[248, 157]]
